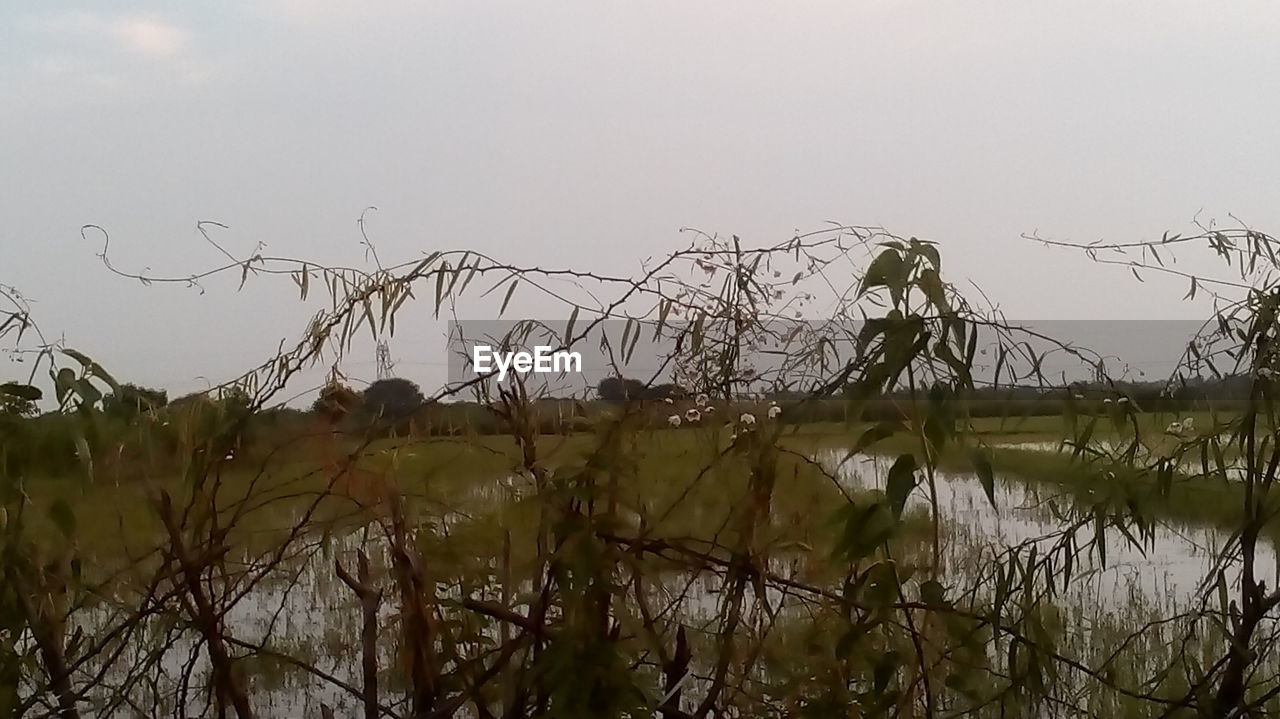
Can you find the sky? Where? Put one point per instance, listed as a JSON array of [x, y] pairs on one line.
[[587, 134]]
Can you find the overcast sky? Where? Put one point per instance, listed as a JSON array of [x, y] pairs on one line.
[[588, 133]]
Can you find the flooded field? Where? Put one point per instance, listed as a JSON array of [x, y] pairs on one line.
[[1129, 604], [1165, 570]]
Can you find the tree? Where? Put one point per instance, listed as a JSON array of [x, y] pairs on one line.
[[131, 400], [336, 401], [18, 400], [669, 390], [395, 398], [617, 389]]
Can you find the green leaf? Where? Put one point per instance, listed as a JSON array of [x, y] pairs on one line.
[[439, 287], [928, 250], [937, 430], [982, 467], [875, 433], [79, 357], [510, 291], [863, 529], [626, 333], [664, 309], [886, 668], [87, 392], [421, 266], [902, 479], [848, 641], [64, 382], [1082, 441], [568, 329], [933, 289], [63, 518], [933, 594], [886, 270], [629, 351]]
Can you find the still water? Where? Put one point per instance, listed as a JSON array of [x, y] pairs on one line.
[[306, 612]]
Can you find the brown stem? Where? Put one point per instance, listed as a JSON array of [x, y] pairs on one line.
[[47, 631], [417, 609], [369, 598], [206, 618]]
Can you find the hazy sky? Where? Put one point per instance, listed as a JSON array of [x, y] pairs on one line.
[[588, 133]]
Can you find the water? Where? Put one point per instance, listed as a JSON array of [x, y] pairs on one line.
[[1167, 569], [303, 610]]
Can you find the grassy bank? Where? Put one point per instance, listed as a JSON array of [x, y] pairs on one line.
[[681, 478]]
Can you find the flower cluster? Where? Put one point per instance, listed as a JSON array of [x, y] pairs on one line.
[[1177, 428], [703, 411]]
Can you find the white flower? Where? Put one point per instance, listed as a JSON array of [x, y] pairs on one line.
[[774, 411], [1079, 396], [733, 438], [1124, 400], [1189, 424], [1173, 428], [668, 400], [747, 418], [230, 455], [709, 410], [692, 414], [773, 403], [701, 399], [674, 420], [1107, 400]]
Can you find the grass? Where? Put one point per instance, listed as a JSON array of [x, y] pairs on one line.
[[680, 481]]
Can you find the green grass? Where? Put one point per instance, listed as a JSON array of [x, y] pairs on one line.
[[680, 481]]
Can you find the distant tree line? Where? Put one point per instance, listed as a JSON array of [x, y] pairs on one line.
[[397, 406], [621, 389]]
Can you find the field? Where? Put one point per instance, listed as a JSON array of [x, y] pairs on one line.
[[963, 548], [114, 512], [475, 498], [680, 475]]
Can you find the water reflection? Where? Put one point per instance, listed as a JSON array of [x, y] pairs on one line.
[[1167, 571], [302, 610]]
